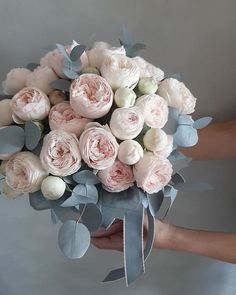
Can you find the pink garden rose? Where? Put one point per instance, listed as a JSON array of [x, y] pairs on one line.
[[60, 153], [30, 104], [98, 147], [63, 117], [24, 173], [117, 177], [41, 78], [147, 69], [152, 172], [100, 51], [15, 80], [126, 123], [91, 96], [120, 71], [154, 109]]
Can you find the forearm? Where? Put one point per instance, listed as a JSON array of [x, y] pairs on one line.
[[216, 141], [216, 245]]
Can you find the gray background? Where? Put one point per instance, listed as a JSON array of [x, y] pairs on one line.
[[195, 38]]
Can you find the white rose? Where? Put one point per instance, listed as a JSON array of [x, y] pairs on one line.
[[100, 51], [130, 152], [155, 139], [168, 148], [125, 97], [120, 71], [53, 187], [41, 78], [8, 192], [5, 113], [15, 80], [148, 70], [177, 95]]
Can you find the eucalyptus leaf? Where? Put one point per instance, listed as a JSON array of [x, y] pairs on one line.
[[127, 37], [178, 161], [72, 201], [202, 123], [70, 73], [155, 202], [86, 177], [61, 84], [172, 123], [92, 216], [64, 214], [12, 139], [73, 239], [54, 217], [186, 136], [92, 193], [63, 51], [177, 178], [33, 135], [76, 52], [185, 120]]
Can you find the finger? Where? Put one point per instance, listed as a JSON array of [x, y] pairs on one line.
[[113, 242]]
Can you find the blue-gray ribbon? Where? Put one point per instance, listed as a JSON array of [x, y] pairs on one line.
[[134, 257]]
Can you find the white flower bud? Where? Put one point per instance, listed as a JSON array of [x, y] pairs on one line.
[[5, 113], [125, 97], [155, 139], [148, 85], [130, 152], [56, 97], [53, 187]]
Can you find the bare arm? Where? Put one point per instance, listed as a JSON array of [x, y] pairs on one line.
[[216, 141], [216, 245]]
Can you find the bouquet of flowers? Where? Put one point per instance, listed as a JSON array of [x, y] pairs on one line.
[[92, 135]]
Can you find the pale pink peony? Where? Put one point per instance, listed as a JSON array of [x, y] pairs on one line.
[[147, 69], [126, 123], [120, 71], [91, 96], [63, 117], [177, 95], [152, 172], [154, 109], [41, 78], [60, 153], [117, 177], [24, 172], [98, 147], [100, 51], [30, 104], [15, 80]]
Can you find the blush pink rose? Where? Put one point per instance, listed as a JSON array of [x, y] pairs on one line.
[[30, 104], [24, 172], [63, 117], [117, 177], [60, 153], [126, 123], [41, 78], [98, 147], [152, 172], [154, 109], [15, 80], [148, 70], [91, 96]]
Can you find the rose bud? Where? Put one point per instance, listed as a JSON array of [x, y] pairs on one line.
[[130, 152], [53, 187], [147, 85], [125, 97]]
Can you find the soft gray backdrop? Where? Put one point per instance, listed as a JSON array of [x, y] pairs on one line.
[[195, 38]]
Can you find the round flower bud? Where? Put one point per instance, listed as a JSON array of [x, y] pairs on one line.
[[147, 85], [53, 187], [5, 113], [130, 152], [125, 97], [56, 97], [155, 139], [90, 70]]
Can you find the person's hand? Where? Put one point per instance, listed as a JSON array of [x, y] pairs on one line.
[[163, 234]]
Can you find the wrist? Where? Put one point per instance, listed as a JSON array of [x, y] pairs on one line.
[[164, 235]]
